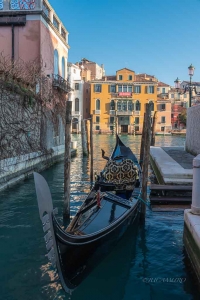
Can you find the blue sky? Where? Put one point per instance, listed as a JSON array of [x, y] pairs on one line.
[[157, 37]]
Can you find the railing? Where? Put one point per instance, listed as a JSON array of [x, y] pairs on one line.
[[60, 83], [124, 113], [97, 112], [112, 112], [76, 113], [136, 113]]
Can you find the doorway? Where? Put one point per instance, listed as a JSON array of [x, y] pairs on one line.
[[124, 128]]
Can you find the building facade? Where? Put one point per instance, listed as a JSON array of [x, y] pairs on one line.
[[31, 31], [118, 102]]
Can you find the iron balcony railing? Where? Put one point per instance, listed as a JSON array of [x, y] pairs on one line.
[[60, 83]]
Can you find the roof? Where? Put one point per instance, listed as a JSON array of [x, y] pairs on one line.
[[193, 82], [160, 83], [125, 69]]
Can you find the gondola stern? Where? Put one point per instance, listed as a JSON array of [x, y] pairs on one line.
[[46, 213]]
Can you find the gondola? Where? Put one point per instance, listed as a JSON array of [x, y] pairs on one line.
[[110, 208]]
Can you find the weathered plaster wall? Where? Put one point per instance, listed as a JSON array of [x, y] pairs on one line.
[[193, 130]]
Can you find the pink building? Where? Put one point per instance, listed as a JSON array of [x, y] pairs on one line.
[[31, 30]]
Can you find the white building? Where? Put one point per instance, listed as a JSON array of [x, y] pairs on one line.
[[76, 95]]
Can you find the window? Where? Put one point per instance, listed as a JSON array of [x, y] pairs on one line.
[[112, 120], [172, 95], [172, 116], [162, 119], [63, 33], [162, 128], [137, 89], [137, 120], [125, 88], [87, 91], [120, 77], [130, 105], [137, 128], [119, 105], [55, 23], [150, 89], [137, 105], [124, 105], [130, 77], [119, 88], [111, 127], [63, 67], [97, 127], [97, 104], [162, 106], [185, 95], [151, 105], [163, 90], [97, 119], [97, 88], [56, 59], [76, 86], [158, 89], [112, 89], [129, 88], [112, 105], [46, 10], [77, 104]]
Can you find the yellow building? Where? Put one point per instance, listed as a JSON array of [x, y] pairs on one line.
[[119, 101]]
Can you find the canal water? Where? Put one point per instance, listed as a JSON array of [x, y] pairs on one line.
[[148, 263]]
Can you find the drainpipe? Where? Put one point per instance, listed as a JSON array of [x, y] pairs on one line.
[[196, 186], [13, 43]]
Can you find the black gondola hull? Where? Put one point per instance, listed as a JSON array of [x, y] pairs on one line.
[[80, 255]]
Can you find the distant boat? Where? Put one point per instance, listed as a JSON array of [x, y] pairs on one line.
[[179, 132], [110, 208], [162, 133]]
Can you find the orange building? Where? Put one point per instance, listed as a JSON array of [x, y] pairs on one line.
[[119, 101]]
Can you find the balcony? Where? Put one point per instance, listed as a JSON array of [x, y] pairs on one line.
[[112, 112], [97, 112], [60, 83], [124, 113], [136, 113], [76, 113]]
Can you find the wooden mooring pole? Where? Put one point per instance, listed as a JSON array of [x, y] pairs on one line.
[[145, 164], [67, 161], [88, 135], [91, 149], [153, 133], [142, 141], [83, 136]]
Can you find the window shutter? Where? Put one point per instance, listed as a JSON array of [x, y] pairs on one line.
[[146, 89], [139, 89], [94, 87], [152, 89], [108, 88]]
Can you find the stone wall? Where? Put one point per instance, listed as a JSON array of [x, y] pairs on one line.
[[193, 130]]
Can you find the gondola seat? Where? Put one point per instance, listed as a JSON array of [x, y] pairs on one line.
[[120, 173]]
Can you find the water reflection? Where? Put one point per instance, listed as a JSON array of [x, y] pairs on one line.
[[155, 250]]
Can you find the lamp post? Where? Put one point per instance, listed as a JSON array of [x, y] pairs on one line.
[[189, 88]]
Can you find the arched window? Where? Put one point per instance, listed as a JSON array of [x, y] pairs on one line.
[[151, 105], [56, 60], [98, 104], [137, 105], [130, 105], [112, 105], [76, 104], [63, 67]]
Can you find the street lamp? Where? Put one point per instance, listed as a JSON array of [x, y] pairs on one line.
[[189, 88]]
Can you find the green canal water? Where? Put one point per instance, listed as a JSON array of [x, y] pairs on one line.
[[148, 263]]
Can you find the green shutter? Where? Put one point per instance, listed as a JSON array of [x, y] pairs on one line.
[[94, 88]]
